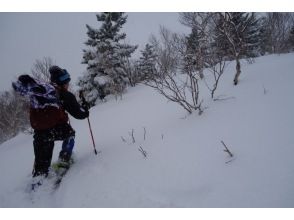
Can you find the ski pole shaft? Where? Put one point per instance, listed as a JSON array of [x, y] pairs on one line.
[[84, 101], [92, 136]]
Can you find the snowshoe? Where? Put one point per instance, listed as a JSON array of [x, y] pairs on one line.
[[60, 168], [37, 181]]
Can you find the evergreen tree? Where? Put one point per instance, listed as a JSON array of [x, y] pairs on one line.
[[198, 42], [106, 57], [147, 63], [238, 32], [265, 37], [193, 58], [291, 39]]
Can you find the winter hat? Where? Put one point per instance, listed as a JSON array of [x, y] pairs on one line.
[[58, 75]]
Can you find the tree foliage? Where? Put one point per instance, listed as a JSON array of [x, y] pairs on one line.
[[14, 115], [107, 57]]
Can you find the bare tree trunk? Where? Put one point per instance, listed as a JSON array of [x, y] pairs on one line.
[[213, 90], [201, 64], [238, 71]]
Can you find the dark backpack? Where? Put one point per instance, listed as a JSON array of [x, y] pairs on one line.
[[45, 111]]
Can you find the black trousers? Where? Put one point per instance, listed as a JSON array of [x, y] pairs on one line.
[[44, 145]]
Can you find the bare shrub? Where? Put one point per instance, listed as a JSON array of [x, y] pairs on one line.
[[182, 89], [40, 69]]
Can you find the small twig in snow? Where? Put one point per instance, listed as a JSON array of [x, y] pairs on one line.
[[132, 135], [144, 133], [264, 90], [227, 150], [230, 160], [223, 99], [143, 152], [124, 140]]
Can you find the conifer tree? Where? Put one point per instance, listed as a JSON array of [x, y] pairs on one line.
[[198, 42], [193, 59], [291, 39], [147, 63], [106, 57], [265, 40]]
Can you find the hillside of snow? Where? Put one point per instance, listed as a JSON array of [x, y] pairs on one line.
[[186, 165]]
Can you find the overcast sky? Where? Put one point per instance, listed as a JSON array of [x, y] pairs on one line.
[[26, 37]]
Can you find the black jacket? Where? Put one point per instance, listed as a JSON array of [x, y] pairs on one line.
[[70, 104]]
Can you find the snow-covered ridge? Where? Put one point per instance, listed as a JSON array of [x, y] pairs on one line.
[[185, 165]]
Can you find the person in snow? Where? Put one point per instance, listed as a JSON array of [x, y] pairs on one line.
[[51, 122]]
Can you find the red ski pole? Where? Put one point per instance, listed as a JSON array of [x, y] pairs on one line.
[[84, 101], [92, 136]]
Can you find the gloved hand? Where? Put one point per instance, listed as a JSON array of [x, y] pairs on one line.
[[87, 112], [85, 105]]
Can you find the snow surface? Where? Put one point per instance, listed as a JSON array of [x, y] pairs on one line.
[[185, 164]]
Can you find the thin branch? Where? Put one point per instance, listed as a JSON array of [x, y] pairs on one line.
[[227, 150], [124, 140], [230, 160], [143, 152], [264, 90], [132, 135], [144, 133], [223, 99]]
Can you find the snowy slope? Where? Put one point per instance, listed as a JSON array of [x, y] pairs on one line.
[[185, 165]]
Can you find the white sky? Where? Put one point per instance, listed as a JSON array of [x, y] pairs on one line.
[[26, 37]]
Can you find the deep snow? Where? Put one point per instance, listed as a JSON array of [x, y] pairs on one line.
[[185, 165]]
